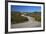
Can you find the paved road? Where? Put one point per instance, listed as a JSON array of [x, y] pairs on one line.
[[29, 24]]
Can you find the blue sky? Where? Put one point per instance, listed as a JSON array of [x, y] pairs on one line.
[[25, 8]]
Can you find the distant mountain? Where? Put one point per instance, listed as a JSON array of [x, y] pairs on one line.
[[37, 13]]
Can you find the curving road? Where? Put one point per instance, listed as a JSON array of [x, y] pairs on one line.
[[29, 24]]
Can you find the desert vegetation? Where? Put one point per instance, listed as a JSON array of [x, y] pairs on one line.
[[36, 15], [17, 18]]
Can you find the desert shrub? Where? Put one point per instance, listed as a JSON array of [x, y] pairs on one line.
[[18, 19], [38, 18], [33, 15]]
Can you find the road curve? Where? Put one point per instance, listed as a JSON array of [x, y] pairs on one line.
[[29, 24]]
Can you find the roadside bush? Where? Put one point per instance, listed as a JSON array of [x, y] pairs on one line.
[[33, 15], [38, 18], [18, 19]]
